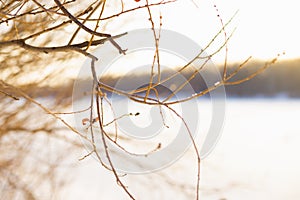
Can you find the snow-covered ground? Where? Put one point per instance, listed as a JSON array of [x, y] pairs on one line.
[[256, 158]]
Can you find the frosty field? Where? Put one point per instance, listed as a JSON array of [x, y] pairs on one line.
[[256, 158]]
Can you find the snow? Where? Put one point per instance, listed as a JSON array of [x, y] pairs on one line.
[[256, 158]]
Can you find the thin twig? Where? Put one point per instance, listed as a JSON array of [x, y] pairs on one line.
[[82, 26]]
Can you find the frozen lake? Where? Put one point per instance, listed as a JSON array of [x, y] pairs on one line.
[[256, 158]]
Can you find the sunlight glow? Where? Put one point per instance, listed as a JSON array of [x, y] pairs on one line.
[[264, 28]]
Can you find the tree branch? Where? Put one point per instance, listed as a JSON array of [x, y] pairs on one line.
[[73, 47], [76, 21]]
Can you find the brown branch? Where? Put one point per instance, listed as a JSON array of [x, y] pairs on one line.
[[132, 9], [194, 146], [34, 12], [98, 90], [27, 97], [156, 53], [75, 20], [254, 74], [82, 26], [83, 22], [74, 47], [9, 95], [57, 26]]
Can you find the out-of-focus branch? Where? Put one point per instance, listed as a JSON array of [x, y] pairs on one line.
[[82, 26], [72, 47], [75, 20], [131, 10], [9, 95]]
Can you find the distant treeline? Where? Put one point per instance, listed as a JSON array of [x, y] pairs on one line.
[[282, 78]]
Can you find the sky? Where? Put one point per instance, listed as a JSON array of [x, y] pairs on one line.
[[264, 28], [261, 29]]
